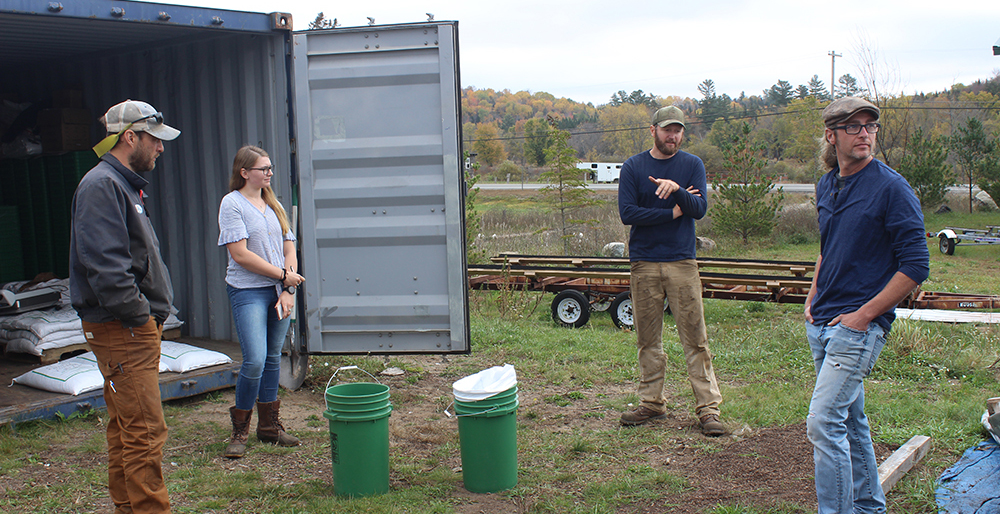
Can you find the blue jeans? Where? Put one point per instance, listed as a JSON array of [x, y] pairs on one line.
[[846, 471], [261, 336]]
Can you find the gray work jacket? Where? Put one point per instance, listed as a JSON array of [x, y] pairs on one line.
[[116, 272]]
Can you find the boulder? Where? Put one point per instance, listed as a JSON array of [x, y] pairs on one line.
[[614, 250], [983, 201], [704, 243]]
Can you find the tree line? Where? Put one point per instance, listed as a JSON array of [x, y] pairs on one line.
[[935, 139]]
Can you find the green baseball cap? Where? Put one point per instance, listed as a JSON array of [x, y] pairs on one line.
[[669, 115]]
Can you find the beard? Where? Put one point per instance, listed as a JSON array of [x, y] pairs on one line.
[[143, 159], [666, 149]]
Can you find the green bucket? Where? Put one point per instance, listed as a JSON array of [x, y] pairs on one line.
[[359, 438], [487, 431]]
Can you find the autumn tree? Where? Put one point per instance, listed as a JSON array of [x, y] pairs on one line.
[[924, 167], [626, 129], [566, 192], [803, 123], [745, 205], [536, 140], [488, 144]]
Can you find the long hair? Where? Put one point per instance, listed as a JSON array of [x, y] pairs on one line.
[[827, 154], [246, 157]]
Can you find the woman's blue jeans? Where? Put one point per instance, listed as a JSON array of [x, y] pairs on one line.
[[846, 471], [261, 336]]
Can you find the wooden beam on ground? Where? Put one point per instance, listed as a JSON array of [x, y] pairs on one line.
[[902, 460]]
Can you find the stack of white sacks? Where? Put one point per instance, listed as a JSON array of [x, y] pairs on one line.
[[33, 332]]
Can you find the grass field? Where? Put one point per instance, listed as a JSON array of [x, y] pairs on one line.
[[932, 379]]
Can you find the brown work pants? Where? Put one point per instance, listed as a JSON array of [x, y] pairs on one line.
[[129, 359], [680, 284]]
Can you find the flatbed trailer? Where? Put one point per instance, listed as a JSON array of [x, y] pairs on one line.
[[584, 284], [951, 237]]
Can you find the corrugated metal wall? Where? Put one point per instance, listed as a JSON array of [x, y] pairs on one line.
[[221, 91]]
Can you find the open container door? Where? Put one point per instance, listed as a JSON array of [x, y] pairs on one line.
[[381, 190]]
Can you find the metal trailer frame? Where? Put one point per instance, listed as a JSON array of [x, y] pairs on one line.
[[586, 284], [950, 237]]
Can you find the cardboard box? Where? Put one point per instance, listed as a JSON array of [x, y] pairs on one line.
[[64, 130], [72, 98]]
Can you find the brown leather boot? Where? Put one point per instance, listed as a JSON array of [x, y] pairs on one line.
[[269, 428], [241, 431]]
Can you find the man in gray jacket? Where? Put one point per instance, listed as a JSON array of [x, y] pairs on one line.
[[121, 289]]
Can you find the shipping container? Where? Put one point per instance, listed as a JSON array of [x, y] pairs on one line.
[[362, 125]]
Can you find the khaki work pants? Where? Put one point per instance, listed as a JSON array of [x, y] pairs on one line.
[[680, 284], [129, 359]]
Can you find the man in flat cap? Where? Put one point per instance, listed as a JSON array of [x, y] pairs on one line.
[[660, 195], [121, 289], [873, 252]]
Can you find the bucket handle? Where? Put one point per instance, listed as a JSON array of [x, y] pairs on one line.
[[457, 415], [346, 368]]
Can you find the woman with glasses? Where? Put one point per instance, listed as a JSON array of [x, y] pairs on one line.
[[261, 281]]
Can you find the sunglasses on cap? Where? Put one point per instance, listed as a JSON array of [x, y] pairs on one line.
[[109, 142]]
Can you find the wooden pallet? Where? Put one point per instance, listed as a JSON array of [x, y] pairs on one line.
[[56, 354]]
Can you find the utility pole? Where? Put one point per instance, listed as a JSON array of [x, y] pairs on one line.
[[833, 59]]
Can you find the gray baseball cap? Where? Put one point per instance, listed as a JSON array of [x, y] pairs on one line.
[[841, 110], [669, 115], [142, 116]]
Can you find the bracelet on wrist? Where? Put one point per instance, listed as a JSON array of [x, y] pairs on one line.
[[284, 274]]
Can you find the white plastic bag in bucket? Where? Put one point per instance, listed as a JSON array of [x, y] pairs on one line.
[[486, 383]]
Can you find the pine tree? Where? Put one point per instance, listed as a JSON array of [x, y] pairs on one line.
[[745, 205], [566, 191], [924, 167]]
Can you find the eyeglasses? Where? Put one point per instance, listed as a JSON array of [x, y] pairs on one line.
[[855, 128], [267, 170]]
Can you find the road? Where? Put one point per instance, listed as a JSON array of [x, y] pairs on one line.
[[788, 188]]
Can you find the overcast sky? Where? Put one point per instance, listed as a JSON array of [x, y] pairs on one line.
[[587, 50]]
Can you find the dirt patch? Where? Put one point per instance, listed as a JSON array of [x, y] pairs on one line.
[[764, 468]]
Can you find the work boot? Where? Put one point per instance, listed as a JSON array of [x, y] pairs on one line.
[[269, 428], [641, 415], [241, 431], [711, 426]]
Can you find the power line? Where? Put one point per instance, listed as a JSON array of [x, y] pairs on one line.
[[991, 106]]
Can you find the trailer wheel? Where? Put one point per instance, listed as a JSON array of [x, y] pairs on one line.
[[621, 311], [947, 245], [571, 309]]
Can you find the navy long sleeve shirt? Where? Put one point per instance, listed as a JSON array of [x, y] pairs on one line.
[[655, 235], [870, 228]]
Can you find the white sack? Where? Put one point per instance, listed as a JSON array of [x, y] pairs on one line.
[[72, 376], [180, 357]]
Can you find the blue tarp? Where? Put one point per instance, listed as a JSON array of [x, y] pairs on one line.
[[972, 485]]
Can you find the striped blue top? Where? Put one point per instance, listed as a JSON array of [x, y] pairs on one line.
[[239, 219]]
